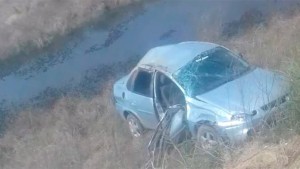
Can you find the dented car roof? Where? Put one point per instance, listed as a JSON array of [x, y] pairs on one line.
[[173, 57]]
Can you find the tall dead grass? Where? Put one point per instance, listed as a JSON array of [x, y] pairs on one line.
[[36, 23], [75, 133], [269, 44]]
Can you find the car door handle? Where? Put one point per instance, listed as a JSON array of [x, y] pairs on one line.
[[133, 104]]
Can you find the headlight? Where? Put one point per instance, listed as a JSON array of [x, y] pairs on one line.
[[236, 119]]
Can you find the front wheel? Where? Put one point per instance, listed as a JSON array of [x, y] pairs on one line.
[[134, 125], [207, 137]]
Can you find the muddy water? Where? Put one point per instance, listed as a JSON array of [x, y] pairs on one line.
[[157, 23]]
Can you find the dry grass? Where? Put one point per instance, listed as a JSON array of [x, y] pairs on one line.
[[271, 47], [37, 22], [271, 44], [259, 155], [76, 133]]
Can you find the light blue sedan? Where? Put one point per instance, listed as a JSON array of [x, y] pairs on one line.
[[223, 97]]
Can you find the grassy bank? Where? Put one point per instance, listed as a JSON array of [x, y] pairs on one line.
[[83, 133], [74, 133], [35, 23]]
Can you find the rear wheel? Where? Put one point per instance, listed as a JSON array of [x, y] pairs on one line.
[[207, 137], [134, 125]]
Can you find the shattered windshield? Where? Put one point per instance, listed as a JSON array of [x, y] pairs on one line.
[[209, 70]]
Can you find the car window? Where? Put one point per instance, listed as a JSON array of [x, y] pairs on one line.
[[142, 83], [209, 70], [168, 93]]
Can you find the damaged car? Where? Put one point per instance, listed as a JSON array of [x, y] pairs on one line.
[[221, 96]]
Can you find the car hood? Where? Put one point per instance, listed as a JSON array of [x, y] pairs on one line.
[[247, 93]]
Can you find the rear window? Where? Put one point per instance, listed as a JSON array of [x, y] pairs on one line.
[[141, 83]]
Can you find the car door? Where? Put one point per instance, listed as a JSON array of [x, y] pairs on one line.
[[175, 97], [140, 97]]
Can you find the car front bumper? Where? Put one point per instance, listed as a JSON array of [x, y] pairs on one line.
[[236, 134], [240, 133]]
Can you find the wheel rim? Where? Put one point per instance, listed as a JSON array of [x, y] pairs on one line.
[[207, 140], [134, 128]]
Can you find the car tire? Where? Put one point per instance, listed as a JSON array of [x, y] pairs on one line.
[[207, 137], [135, 126]]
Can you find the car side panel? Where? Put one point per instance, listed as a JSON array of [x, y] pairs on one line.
[[201, 114], [143, 108]]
